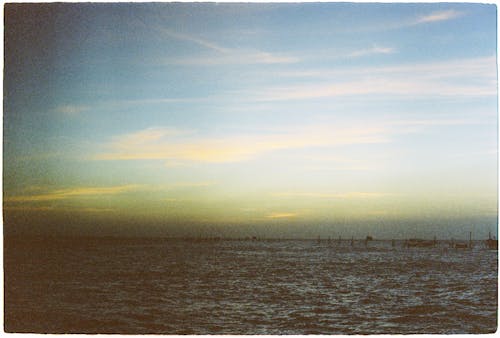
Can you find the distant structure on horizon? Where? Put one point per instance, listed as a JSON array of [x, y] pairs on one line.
[[491, 242]]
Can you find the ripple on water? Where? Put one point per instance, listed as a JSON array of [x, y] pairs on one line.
[[238, 287]]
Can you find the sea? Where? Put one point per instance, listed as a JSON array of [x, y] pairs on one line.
[[253, 286]]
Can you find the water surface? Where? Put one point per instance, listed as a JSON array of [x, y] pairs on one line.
[[246, 287]]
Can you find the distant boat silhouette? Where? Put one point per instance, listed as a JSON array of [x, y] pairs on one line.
[[492, 243], [419, 243], [460, 245]]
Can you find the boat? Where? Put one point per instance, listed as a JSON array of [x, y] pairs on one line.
[[460, 245], [491, 242], [419, 243]]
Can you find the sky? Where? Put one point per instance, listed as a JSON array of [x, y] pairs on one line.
[[275, 120]]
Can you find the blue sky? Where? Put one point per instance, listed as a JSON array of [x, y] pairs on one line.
[[209, 114]]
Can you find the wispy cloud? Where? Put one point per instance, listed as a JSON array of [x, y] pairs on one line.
[[461, 78], [28, 208], [372, 51], [169, 200], [409, 21], [321, 195], [192, 39], [153, 144], [438, 16], [96, 210], [152, 135], [278, 215], [53, 208], [174, 164], [233, 57], [192, 184], [73, 192], [70, 109], [221, 55], [78, 192], [179, 146]]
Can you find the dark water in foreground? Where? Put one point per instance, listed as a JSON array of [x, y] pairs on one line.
[[246, 287]]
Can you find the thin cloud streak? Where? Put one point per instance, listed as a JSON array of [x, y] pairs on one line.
[[438, 16], [180, 146], [141, 146], [278, 215], [223, 55], [70, 110], [59, 209], [464, 78], [234, 58], [372, 51], [348, 195], [192, 184], [427, 19], [480, 67], [63, 194], [200, 42]]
